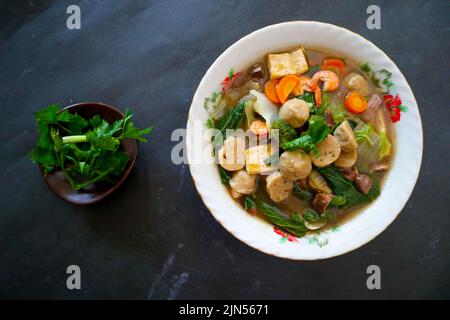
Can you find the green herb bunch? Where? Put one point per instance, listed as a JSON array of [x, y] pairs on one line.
[[86, 150]]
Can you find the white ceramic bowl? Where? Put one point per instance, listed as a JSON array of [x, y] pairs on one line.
[[399, 183]]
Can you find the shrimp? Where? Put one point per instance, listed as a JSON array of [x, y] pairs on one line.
[[302, 85], [329, 78]]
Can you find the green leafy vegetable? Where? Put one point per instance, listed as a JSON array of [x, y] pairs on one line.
[[294, 224], [86, 151], [337, 202], [313, 69], [385, 146], [224, 175], [316, 133], [285, 132], [326, 102], [312, 216], [302, 194], [308, 97], [209, 124], [304, 142], [372, 146], [232, 119], [363, 134], [345, 188], [318, 129], [212, 102], [381, 79], [249, 203], [249, 113]]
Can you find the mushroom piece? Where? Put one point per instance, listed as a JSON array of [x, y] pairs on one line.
[[258, 73], [232, 154], [378, 167], [346, 137], [295, 165], [315, 225], [346, 159], [356, 82], [364, 183], [243, 183], [295, 112], [318, 182], [321, 201], [278, 187], [329, 150]]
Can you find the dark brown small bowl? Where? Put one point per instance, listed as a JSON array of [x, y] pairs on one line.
[[58, 183]]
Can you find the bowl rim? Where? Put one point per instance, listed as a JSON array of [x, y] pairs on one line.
[[125, 173], [218, 60]]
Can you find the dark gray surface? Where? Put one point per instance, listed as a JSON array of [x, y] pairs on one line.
[[155, 238]]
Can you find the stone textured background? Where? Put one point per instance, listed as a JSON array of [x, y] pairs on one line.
[[155, 238]]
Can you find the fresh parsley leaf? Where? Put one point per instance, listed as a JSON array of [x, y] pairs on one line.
[[87, 151], [309, 98]]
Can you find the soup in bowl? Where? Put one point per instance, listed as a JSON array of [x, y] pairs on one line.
[[308, 124]]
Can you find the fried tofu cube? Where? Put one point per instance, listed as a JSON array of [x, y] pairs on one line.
[[255, 157], [282, 64]]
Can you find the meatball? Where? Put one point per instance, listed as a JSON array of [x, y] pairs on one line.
[[243, 183], [329, 150], [346, 137], [355, 81], [232, 154], [295, 112], [295, 165], [278, 187]]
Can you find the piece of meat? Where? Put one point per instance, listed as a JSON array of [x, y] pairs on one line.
[[329, 118], [350, 173], [364, 183], [321, 201], [373, 106], [303, 183]]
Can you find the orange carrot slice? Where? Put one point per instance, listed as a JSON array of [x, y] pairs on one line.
[[355, 103], [270, 89], [286, 85], [333, 64]]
